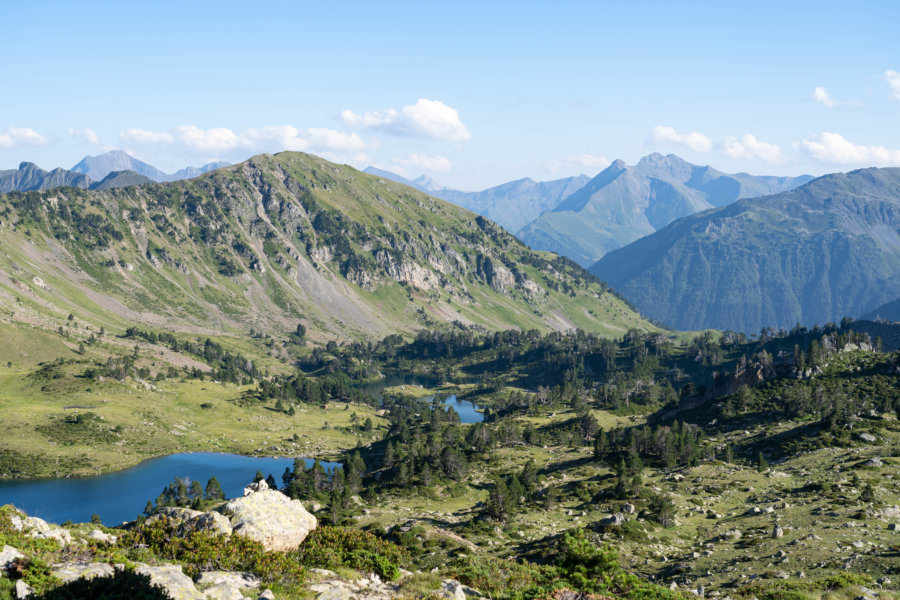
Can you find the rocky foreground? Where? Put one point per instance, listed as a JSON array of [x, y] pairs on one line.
[[267, 517]]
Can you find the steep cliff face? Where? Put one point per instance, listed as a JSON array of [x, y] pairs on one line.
[[291, 238]]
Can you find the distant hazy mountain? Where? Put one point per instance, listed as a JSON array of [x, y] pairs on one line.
[[29, 177], [191, 172], [512, 205], [118, 179], [811, 255], [98, 167], [624, 203], [889, 311], [517, 203]]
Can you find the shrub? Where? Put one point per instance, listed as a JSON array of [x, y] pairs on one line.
[[335, 547], [201, 551]]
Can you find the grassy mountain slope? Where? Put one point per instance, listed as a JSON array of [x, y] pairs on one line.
[[815, 254], [624, 203], [282, 240]]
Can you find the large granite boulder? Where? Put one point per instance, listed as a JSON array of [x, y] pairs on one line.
[[271, 518]]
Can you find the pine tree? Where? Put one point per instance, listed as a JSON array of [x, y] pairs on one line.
[[214, 489], [762, 465]]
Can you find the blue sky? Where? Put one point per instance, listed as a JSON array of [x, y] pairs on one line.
[[472, 94]]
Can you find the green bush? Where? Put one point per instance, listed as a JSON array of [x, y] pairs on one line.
[[202, 551], [122, 585], [335, 547]]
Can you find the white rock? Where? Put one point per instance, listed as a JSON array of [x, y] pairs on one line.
[[242, 581], [223, 591], [267, 595], [7, 555], [271, 518], [177, 584], [23, 590], [98, 535], [73, 571]]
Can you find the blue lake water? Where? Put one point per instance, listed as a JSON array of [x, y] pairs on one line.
[[122, 495], [468, 411]]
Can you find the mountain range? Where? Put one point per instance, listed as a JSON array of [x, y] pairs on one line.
[[113, 169], [512, 205], [287, 239], [624, 203], [98, 167], [815, 254]]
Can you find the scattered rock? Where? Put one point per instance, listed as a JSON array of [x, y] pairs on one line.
[[223, 591], [271, 518], [616, 520], [178, 585], [893, 527], [867, 437], [628, 508], [267, 595], [242, 581], [874, 462], [72, 571], [454, 590], [98, 535], [23, 590], [7, 555], [777, 532], [256, 486]]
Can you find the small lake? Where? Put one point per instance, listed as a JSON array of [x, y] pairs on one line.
[[468, 411], [122, 495]]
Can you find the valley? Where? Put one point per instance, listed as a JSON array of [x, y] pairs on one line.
[[484, 410]]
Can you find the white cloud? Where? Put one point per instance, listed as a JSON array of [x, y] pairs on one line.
[[589, 162], [747, 146], [88, 134], [820, 94], [695, 141], [832, 148], [219, 141], [893, 79], [21, 136], [425, 118], [142, 136], [214, 140], [436, 163]]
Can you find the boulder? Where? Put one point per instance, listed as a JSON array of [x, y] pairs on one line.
[[454, 590], [211, 522], [98, 535], [271, 518], [72, 571], [173, 513], [867, 437], [256, 486], [23, 590], [7, 555], [874, 462], [178, 585], [628, 508], [616, 520], [777, 531], [223, 591], [267, 595]]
